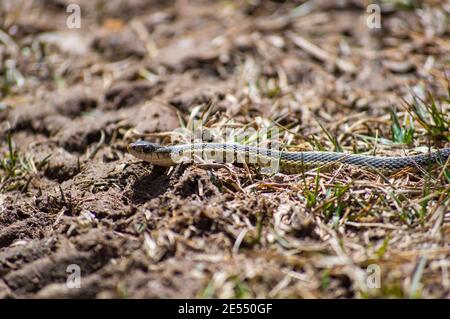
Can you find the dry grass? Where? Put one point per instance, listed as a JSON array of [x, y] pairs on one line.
[[315, 73]]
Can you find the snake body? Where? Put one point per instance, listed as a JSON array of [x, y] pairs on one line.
[[282, 161]]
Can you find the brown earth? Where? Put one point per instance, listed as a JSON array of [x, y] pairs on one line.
[[140, 67]]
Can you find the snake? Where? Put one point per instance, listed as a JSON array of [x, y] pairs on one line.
[[279, 161]]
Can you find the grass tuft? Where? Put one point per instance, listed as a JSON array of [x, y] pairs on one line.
[[431, 115], [401, 133]]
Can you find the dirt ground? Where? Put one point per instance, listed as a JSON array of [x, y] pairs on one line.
[[72, 100]]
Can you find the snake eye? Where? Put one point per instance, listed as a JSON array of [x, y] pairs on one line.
[[139, 146], [133, 147]]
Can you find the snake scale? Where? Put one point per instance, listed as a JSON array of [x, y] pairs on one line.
[[282, 161]]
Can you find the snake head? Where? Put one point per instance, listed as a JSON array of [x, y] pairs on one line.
[[151, 152], [140, 148]]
